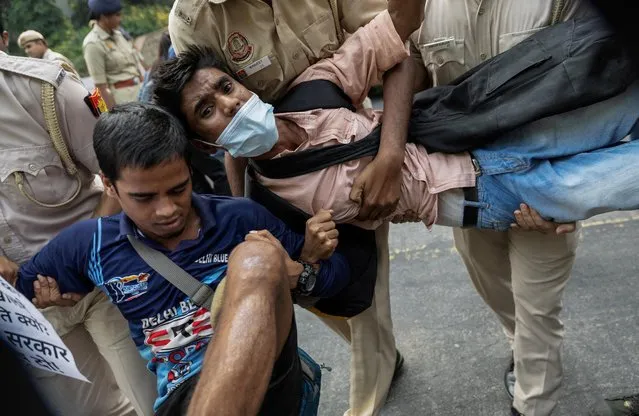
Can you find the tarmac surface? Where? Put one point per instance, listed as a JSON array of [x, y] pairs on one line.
[[454, 349]]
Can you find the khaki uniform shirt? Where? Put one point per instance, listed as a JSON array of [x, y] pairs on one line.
[[25, 146], [267, 47], [51, 55], [459, 34], [109, 58]]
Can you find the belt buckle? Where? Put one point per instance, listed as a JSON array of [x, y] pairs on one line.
[[476, 166]]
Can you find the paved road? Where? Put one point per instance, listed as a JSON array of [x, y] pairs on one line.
[[455, 352]]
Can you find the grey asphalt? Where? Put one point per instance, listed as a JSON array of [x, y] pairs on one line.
[[454, 349]]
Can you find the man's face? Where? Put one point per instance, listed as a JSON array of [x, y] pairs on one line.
[[157, 199], [35, 49], [4, 41], [210, 100]]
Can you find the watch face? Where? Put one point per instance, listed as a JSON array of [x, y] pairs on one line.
[[310, 283]]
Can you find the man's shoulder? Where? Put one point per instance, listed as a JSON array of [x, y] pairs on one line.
[[184, 14], [47, 71], [85, 231], [230, 206]]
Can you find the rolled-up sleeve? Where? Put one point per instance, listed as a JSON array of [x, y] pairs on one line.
[[362, 60]]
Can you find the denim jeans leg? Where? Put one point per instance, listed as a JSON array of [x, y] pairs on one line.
[[497, 204], [576, 187], [581, 130]]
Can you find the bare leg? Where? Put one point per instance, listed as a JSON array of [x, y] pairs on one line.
[[253, 326]]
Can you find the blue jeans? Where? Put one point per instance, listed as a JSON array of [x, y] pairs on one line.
[[568, 167]]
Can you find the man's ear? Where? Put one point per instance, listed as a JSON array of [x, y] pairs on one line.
[[109, 187]]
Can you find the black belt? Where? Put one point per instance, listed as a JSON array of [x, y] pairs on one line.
[[471, 214]]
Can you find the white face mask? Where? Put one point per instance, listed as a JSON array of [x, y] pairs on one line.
[[252, 131]]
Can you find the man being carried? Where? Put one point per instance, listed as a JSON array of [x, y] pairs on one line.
[[482, 190], [142, 152]]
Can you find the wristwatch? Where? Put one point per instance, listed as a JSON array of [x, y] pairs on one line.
[[306, 280]]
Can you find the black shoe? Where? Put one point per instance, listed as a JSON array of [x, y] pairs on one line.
[[624, 406], [509, 378], [399, 365], [514, 412]]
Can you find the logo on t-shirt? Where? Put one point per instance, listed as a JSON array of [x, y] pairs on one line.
[[124, 289]]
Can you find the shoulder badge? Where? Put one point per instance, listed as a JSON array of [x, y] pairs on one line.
[[96, 103]]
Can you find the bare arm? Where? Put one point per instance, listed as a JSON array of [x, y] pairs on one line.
[[235, 170], [377, 189]]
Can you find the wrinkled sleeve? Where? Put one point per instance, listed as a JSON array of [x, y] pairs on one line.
[[362, 60], [95, 61], [64, 258]]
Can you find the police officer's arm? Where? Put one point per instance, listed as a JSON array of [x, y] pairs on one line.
[[77, 122], [378, 187], [94, 58]]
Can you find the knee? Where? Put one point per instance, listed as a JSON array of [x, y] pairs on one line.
[[257, 263]]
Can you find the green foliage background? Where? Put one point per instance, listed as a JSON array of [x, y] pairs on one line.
[[65, 35]]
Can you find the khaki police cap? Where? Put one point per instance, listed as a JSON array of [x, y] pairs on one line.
[[29, 36]]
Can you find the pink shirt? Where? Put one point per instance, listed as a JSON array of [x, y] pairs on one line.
[[355, 67]]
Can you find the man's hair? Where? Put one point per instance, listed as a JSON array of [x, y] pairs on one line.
[[172, 76], [137, 135]]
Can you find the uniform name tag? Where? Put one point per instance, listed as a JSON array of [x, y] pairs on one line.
[[440, 44], [254, 67]]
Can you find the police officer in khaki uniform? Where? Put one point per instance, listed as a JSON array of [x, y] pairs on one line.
[[520, 275], [267, 43], [113, 64], [43, 190], [35, 46]]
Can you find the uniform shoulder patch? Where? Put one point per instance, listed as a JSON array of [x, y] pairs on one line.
[[96, 103]]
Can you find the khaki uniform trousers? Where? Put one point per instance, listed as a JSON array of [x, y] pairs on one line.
[[370, 334], [126, 94], [99, 338], [522, 276]]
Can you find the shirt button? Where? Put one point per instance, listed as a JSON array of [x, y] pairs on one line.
[[7, 240], [440, 60], [481, 11], [277, 21], [33, 167], [296, 56], [260, 83], [483, 56]]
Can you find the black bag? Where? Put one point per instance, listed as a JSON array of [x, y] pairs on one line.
[[356, 244]]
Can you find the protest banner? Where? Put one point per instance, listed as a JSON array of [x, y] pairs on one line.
[[31, 336]]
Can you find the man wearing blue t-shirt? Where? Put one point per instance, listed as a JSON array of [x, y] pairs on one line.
[[142, 152]]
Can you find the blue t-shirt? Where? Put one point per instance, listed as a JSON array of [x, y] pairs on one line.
[[170, 332]]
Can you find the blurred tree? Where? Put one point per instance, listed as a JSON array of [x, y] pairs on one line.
[[41, 15], [66, 35]]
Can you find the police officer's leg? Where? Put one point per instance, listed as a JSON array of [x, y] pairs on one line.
[[373, 350], [126, 94], [73, 397], [541, 265], [485, 254], [111, 334]]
